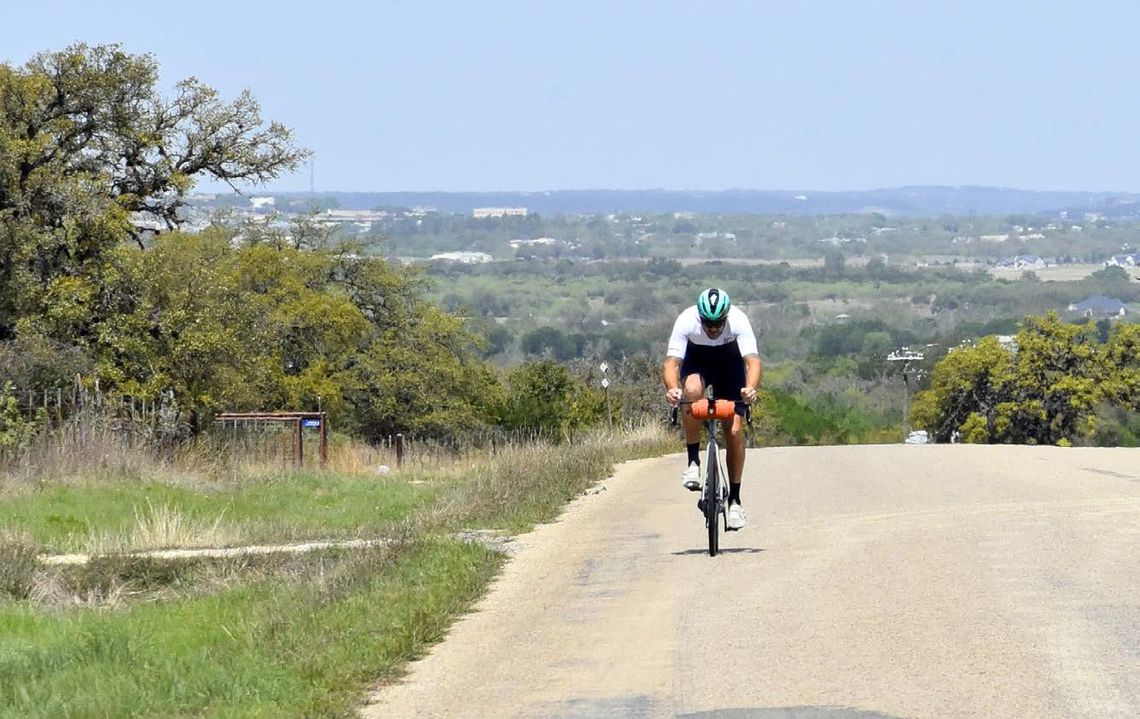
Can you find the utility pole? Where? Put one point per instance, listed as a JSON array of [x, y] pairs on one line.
[[906, 356]]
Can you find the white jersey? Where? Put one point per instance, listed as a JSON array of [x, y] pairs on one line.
[[688, 329]]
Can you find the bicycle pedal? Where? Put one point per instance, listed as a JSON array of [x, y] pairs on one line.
[[701, 505]]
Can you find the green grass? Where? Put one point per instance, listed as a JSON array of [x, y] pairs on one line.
[[69, 517], [274, 647]]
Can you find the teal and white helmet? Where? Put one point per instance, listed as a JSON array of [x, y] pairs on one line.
[[712, 305]]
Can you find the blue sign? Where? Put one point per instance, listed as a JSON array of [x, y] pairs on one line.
[[310, 423]]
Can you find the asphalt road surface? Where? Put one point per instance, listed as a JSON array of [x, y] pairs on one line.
[[871, 582]]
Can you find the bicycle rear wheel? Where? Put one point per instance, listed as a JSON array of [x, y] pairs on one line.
[[712, 500]]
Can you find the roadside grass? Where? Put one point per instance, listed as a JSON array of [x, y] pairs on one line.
[[167, 508], [274, 635], [121, 513], [516, 490], [303, 645]]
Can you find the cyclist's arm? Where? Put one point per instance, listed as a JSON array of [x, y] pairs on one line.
[[671, 372], [752, 371], [749, 350], [674, 354]]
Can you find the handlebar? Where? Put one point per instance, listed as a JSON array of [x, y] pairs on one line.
[[722, 409]]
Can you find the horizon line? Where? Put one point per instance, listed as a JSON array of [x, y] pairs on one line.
[[1002, 188]]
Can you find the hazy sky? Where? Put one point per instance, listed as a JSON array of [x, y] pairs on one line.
[[532, 95]]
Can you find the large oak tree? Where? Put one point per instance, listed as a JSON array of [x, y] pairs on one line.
[[92, 153]]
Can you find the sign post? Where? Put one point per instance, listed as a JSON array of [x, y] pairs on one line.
[[606, 388]]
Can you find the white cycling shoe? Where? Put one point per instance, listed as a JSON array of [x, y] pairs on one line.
[[736, 517], [691, 477]]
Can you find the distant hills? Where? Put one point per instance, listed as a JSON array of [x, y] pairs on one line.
[[923, 201]]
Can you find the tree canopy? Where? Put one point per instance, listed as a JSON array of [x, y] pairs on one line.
[[92, 153], [1046, 389]]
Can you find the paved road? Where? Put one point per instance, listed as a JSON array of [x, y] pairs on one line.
[[888, 581]]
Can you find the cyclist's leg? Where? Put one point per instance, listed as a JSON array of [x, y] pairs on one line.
[[693, 383], [733, 431], [727, 381], [693, 387], [734, 454]]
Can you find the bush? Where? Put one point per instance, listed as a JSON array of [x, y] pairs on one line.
[[1116, 427]]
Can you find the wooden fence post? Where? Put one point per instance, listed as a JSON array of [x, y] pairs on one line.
[[324, 445], [298, 445], [399, 451]]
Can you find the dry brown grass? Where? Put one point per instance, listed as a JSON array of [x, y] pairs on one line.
[[161, 527], [77, 451], [526, 484]]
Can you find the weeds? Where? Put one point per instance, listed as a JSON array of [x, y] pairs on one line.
[[167, 527], [18, 565]]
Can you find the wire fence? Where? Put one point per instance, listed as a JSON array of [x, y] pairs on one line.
[[79, 416], [71, 426], [400, 450]]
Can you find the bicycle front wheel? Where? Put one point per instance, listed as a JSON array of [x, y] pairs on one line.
[[712, 502]]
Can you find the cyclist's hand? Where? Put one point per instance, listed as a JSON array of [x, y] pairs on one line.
[[673, 396], [748, 394]]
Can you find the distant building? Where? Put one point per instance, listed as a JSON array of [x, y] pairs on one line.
[[1100, 306], [515, 244], [261, 203], [351, 216], [484, 212], [147, 221], [1132, 260], [1022, 262], [467, 258], [730, 236]]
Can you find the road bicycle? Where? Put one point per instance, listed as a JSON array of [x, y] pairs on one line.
[[713, 502]]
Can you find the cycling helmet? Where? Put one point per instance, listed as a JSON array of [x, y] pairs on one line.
[[712, 305]]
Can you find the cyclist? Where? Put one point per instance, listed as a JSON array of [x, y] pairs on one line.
[[713, 343]]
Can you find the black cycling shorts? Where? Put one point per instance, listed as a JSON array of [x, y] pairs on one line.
[[721, 366]]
